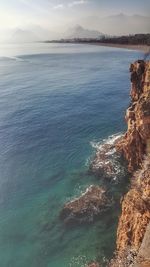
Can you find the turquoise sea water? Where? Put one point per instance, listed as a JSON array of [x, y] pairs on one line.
[[54, 101]]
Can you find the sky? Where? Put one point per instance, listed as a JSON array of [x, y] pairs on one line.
[[58, 15]]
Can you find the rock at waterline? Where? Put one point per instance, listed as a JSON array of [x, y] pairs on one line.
[[107, 162], [93, 264], [83, 209]]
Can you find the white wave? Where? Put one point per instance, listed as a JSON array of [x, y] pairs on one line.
[[18, 59], [13, 58], [80, 191], [111, 152], [106, 159], [87, 162], [79, 261], [112, 138], [109, 141]]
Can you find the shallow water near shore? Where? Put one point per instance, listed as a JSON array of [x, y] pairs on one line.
[[55, 102]]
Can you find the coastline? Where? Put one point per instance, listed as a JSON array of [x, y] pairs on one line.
[[143, 48], [133, 233]]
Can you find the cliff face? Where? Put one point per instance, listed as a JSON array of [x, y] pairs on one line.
[[135, 146], [136, 142], [135, 211]]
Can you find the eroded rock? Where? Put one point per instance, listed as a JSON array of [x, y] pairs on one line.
[[107, 163], [85, 208], [143, 257], [135, 214], [135, 143], [133, 234]]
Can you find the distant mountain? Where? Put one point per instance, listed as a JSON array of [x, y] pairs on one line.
[[128, 24], [80, 32], [119, 24], [44, 33], [23, 36]]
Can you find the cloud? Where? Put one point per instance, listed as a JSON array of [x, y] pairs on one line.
[[60, 6], [69, 5], [77, 2]]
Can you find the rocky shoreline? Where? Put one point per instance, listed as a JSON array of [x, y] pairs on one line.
[[108, 164], [128, 154], [85, 208], [133, 234]]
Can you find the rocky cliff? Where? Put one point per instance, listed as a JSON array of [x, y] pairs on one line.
[[136, 142], [134, 221]]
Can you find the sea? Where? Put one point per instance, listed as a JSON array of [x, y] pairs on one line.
[[56, 101]]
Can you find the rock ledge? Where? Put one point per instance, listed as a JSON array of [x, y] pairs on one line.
[[85, 208]]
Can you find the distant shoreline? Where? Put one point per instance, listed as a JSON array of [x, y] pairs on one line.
[[143, 48]]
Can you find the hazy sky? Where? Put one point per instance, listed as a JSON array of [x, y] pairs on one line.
[[57, 14]]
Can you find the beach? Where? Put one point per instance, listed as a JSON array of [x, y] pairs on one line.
[[143, 48]]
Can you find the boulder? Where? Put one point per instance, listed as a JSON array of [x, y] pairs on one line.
[[86, 207]]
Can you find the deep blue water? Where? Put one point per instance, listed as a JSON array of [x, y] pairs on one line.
[[54, 101]]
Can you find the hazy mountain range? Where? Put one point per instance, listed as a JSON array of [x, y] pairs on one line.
[[89, 27], [119, 24], [80, 32], [23, 36]]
